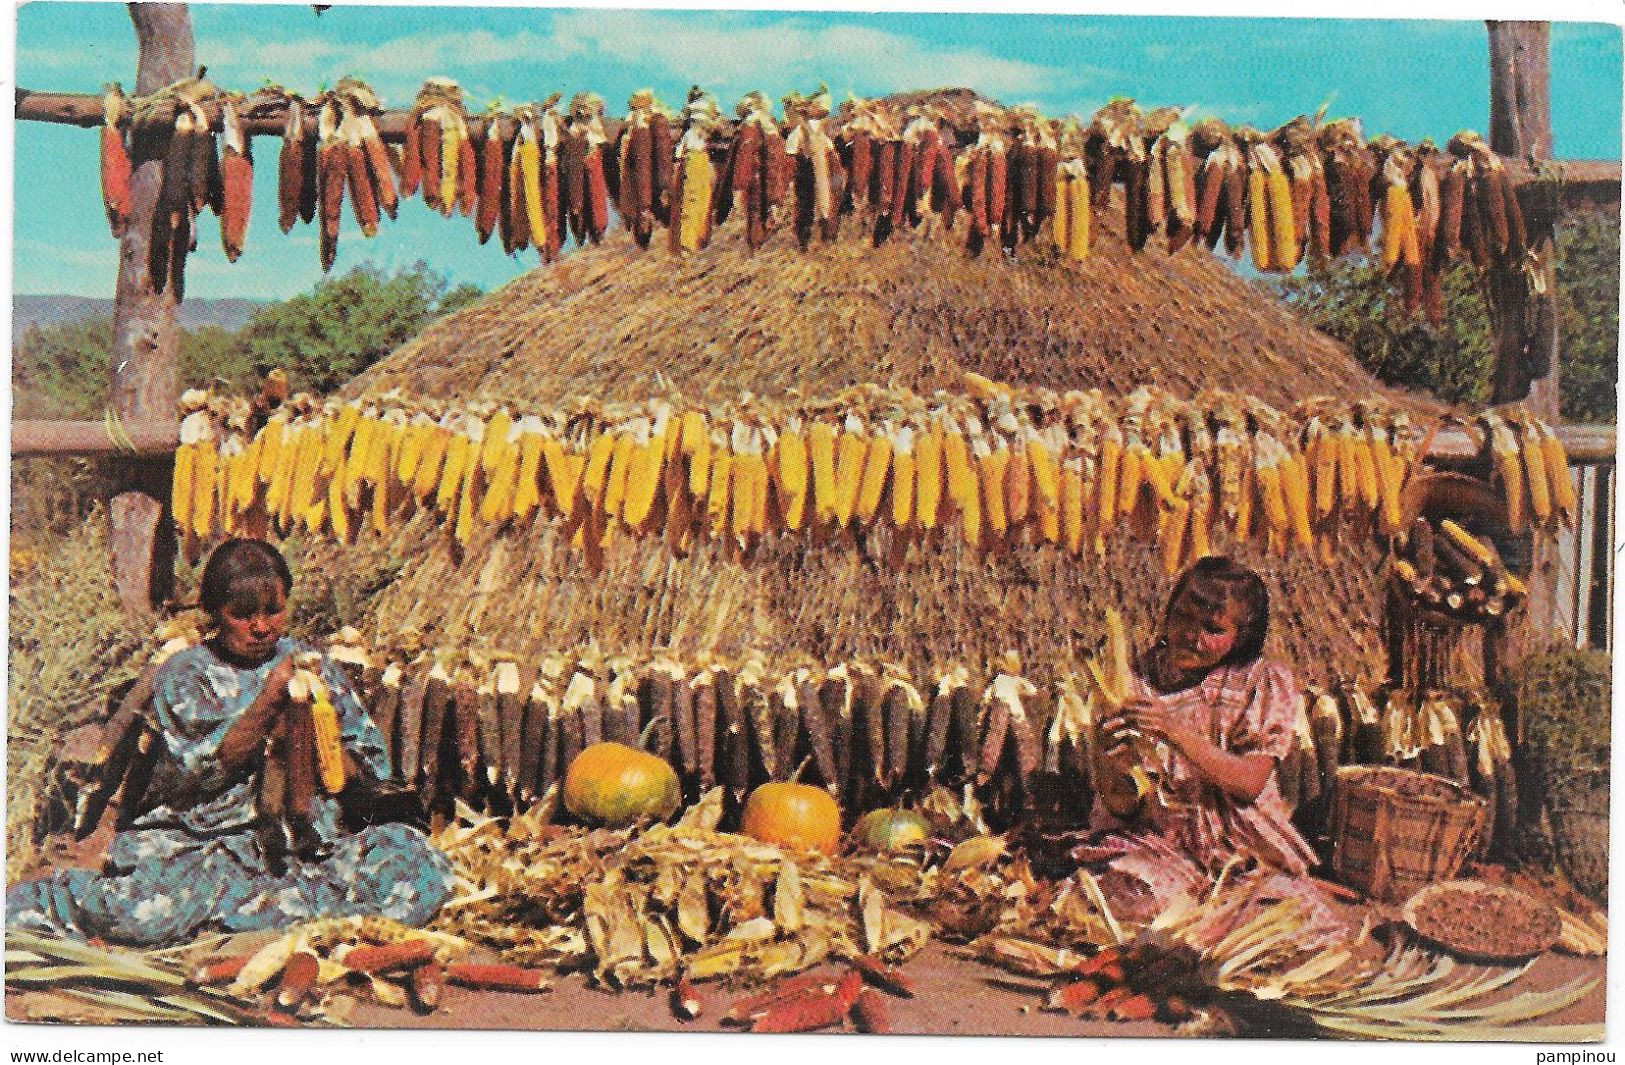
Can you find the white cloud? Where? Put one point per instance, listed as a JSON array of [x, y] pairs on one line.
[[735, 55]]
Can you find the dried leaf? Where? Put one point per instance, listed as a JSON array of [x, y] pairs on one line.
[[978, 850], [693, 911], [788, 906], [705, 814], [872, 911]]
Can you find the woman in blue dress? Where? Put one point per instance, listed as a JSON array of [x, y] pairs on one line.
[[203, 856]]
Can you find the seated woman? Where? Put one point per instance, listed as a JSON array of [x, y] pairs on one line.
[[203, 856], [1207, 724]]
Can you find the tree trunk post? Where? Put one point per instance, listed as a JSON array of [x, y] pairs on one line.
[[143, 373]]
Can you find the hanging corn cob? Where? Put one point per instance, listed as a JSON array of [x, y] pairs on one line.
[[115, 159]]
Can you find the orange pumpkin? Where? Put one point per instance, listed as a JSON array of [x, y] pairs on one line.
[[617, 785], [890, 830], [798, 816]]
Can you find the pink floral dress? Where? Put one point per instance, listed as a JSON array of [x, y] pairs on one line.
[[1190, 829]]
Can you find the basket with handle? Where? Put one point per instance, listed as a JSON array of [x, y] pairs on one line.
[[1395, 831]]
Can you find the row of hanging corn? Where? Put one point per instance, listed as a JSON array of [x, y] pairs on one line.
[[1075, 470], [536, 172]]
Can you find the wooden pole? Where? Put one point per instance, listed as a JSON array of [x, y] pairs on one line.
[[143, 378]]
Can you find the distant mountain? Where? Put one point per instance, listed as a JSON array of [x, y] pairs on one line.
[[48, 310]]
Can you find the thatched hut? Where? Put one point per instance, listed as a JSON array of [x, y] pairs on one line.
[[618, 324]]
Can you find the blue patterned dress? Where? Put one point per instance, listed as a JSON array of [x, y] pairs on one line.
[[194, 863]]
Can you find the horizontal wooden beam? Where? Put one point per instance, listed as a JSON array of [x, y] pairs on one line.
[[1584, 443], [42, 438], [1584, 180]]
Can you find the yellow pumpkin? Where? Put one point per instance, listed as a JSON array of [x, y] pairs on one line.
[[617, 785], [798, 816], [890, 830]]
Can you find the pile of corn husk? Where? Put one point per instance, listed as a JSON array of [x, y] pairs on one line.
[[640, 907], [64, 979]]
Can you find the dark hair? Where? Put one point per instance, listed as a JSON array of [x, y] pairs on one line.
[[1216, 581], [238, 566]]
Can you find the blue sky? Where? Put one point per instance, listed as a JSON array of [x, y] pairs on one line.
[[1411, 79]]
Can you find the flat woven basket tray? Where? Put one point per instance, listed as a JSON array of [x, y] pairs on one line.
[[1482, 922]]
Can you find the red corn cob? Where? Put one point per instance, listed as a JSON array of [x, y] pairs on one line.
[[1132, 1008], [290, 168], [220, 970], [412, 157], [860, 168], [393, 957], [429, 143], [1109, 999], [904, 192], [976, 194], [743, 1010], [869, 1013], [888, 978], [998, 726], [299, 974], [331, 170], [115, 180], [497, 977], [378, 166], [1074, 997], [812, 1011], [237, 189], [493, 171], [944, 186], [686, 1002], [884, 179], [362, 200], [425, 986]]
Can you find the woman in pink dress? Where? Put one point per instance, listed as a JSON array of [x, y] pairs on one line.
[[1207, 725]]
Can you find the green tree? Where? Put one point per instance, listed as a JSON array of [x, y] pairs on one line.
[[1354, 303], [325, 337]]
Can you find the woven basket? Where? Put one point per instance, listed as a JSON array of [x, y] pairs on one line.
[[1579, 816], [1395, 831]]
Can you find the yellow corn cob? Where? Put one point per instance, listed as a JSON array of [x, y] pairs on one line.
[[1467, 542], [1111, 458], [566, 476], [694, 218], [339, 429], [451, 474], [596, 475], [759, 487], [1295, 488], [182, 487], [351, 470], [643, 482], [1398, 223], [790, 471], [928, 477], [850, 450], [620, 465], [306, 467], [269, 440], [1556, 461], [902, 478], [1266, 466], [1080, 216], [956, 463], [1284, 252], [1390, 479], [1161, 472], [1534, 464], [1045, 467], [501, 474], [245, 476], [527, 493], [1131, 475], [992, 464], [413, 440], [1018, 486], [277, 470], [1508, 470], [450, 134], [498, 443], [528, 152], [1244, 505], [425, 479], [744, 469], [1323, 465], [1071, 505], [821, 452], [721, 475], [329, 750], [696, 444], [1365, 470], [872, 483], [387, 440], [1258, 218]]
